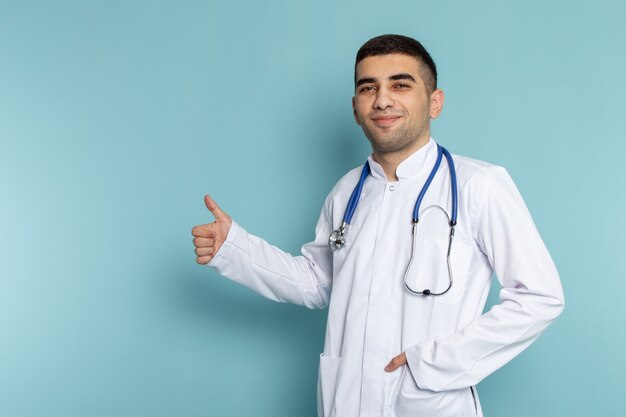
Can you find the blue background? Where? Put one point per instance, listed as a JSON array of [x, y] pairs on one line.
[[117, 117]]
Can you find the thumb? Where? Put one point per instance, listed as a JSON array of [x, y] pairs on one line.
[[214, 208]]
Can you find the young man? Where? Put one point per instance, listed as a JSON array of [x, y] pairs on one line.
[[405, 285]]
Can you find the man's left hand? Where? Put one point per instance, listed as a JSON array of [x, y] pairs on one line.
[[396, 362]]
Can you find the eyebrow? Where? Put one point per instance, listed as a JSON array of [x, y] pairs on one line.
[[403, 76], [395, 77], [365, 81]]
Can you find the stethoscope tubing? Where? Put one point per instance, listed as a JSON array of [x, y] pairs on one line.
[[441, 152], [356, 195], [453, 185], [337, 238]]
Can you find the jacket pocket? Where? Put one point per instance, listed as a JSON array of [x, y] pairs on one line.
[[393, 380], [327, 384], [413, 401]]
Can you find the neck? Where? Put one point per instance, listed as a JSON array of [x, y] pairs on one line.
[[389, 161]]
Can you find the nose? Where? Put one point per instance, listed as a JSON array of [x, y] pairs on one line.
[[383, 99]]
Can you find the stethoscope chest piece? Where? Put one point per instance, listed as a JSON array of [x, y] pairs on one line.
[[337, 238]]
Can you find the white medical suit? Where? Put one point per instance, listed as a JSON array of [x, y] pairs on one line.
[[449, 343]]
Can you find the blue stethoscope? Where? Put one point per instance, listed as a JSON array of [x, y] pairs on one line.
[[337, 238]]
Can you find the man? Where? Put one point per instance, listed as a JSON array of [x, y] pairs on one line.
[[405, 335]]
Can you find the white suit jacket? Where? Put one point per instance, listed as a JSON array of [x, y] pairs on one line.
[[449, 343]]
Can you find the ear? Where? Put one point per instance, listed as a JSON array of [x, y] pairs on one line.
[[356, 116], [436, 103]]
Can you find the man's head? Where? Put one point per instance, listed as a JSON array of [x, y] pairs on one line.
[[396, 93], [398, 44]]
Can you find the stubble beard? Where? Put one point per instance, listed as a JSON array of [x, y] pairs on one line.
[[386, 143]]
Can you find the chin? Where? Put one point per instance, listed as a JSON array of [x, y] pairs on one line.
[[387, 147], [389, 144]]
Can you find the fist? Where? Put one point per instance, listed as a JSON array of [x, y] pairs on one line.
[[208, 238]]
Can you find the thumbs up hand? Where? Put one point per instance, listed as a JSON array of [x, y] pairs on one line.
[[210, 237]]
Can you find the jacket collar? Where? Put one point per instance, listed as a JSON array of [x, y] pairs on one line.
[[412, 166]]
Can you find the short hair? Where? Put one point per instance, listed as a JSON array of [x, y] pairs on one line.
[[398, 44]]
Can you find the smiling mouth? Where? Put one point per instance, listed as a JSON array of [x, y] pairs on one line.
[[385, 120]]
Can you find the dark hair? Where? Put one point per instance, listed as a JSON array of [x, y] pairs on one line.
[[398, 44]]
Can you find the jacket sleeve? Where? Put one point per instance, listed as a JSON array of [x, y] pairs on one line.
[[531, 296], [251, 261]]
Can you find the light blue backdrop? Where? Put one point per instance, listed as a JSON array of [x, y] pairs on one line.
[[117, 117]]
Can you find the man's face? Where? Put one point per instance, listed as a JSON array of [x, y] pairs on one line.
[[391, 103]]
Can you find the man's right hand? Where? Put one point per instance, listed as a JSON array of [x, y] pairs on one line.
[[210, 237]]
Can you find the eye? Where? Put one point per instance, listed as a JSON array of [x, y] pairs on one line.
[[367, 88], [402, 86]]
